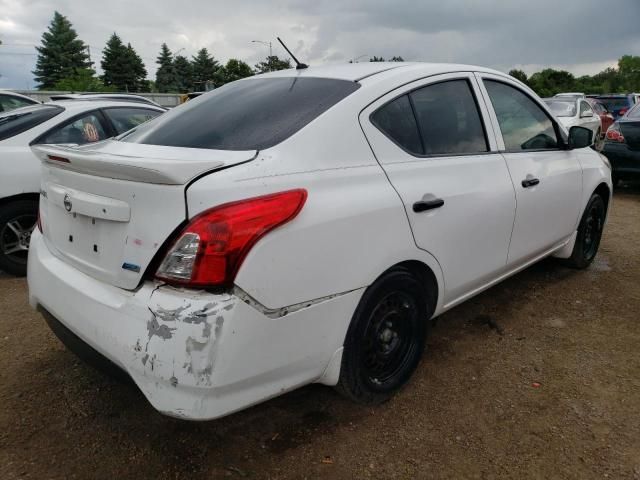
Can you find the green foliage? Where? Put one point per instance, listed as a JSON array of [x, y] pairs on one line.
[[83, 80], [203, 70], [519, 75], [397, 59], [123, 68], [624, 79], [233, 70], [62, 55], [376, 59], [184, 73], [271, 64], [548, 82], [166, 80]]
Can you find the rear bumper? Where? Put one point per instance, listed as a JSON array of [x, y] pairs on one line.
[[193, 354], [623, 160]]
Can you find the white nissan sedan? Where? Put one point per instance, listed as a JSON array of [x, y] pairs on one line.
[[304, 226]]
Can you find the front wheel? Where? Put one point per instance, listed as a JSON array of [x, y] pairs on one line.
[[17, 221], [386, 338], [589, 234]]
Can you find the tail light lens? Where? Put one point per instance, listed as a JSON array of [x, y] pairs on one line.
[[211, 248], [614, 134]]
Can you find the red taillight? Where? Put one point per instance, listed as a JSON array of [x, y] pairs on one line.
[[614, 134], [211, 248], [622, 111]]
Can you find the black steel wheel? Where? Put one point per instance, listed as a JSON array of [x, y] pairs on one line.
[[589, 233], [386, 337], [17, 221]]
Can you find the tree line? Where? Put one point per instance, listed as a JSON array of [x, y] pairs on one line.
[[548, 82], [64, 63]]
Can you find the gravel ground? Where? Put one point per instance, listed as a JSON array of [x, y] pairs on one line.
[[538, 377]]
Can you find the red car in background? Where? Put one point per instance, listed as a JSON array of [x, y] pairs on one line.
[[606, 118]]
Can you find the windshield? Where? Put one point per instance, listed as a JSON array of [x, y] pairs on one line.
[[251, 114], [22, 119], [562, 108]]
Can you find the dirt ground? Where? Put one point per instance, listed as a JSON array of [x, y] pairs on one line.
[[538, 377]]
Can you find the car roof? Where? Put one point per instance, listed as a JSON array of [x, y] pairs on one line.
[[359, 71], [18, 95]]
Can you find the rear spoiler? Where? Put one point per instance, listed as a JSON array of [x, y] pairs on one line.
[[139, 163]]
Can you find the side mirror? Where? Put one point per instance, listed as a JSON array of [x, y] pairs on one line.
[[580, 137], [588, 113]]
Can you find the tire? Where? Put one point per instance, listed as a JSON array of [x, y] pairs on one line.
[[589, 234], [17, 221], [386, 338]]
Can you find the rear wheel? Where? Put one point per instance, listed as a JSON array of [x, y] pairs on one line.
[[589, 234], [17, 221], [386, 338]]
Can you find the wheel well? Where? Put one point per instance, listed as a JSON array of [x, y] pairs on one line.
[[603, 191], [20, 196], [425, 275]]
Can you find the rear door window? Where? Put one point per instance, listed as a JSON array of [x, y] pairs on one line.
[[85, 129], [438, 119], [250, 114], [124, 119], [19, 121], [523, 123], [449, 119], [396, 120]]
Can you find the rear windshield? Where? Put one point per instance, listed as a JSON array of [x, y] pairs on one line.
[[634, 112], [562, 108], [251, 114], [22, 119], [615, 103]]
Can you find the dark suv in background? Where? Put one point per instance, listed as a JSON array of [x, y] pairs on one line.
[[618, 105]]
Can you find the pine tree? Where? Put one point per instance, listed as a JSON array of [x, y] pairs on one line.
[[271, 64], [62, 53], [123, 68], [204, 69], [184, 73], [233, 70], [165, 75], [113, 63], [139, 82]]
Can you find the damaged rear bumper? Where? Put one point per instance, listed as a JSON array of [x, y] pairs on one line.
[[193, 354]]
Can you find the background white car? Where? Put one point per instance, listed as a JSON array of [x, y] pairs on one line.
[[304, 226], [70, 122], [575, 112], [11, 101]]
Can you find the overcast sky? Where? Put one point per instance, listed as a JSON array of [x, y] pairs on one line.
[[582, 36]]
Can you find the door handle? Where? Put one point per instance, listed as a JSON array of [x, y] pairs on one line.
[[530, 182], [424, 205]]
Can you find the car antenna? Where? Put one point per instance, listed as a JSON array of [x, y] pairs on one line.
[[299, 66]]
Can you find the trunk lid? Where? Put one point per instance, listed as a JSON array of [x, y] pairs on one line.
[[630, 130], [107, 209]]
